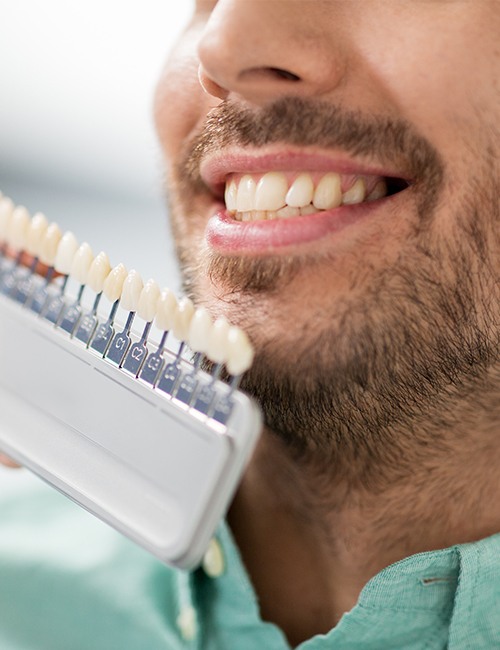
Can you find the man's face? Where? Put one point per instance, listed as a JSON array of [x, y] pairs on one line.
[[369, 307]]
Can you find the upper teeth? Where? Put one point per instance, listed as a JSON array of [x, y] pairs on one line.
[[271, 195]]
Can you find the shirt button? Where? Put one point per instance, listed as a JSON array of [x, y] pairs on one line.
[[213, 560], [186, 622]]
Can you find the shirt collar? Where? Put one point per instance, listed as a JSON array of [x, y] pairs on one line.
[[426, 595]]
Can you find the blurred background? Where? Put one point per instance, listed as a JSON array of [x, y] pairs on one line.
[[76, 133]]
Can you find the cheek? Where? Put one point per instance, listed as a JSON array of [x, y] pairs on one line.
[[437, 69], [180, 104], [449, 96], [176, 105]]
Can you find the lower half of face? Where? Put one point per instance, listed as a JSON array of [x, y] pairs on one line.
[[373, 327], [375, 320]]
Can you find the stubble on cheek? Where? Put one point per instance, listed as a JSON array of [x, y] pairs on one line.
[[355, 378]]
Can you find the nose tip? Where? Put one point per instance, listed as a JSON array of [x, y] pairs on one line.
[[253, 50]]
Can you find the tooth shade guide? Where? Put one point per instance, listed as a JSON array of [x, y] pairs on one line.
[[148, 301], [85, 313], [182, 319], [166, 310], [80, 266], [49, 244], [98, 272], [104, 332], [131, 291], [160, 468], [71, 314], [217, 344], [113, 284], [16, 235], [146, 309], [199, 331], [36, 231], [17, 229], [65, 254], [6, 210], [129, 301]]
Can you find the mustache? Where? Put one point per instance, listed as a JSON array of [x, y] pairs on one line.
[[307, 122]]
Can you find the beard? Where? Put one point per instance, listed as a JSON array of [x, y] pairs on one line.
[[368, 382]]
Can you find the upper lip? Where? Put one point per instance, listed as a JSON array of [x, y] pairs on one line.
[[215, 168]]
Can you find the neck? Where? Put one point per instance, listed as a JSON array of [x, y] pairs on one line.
[[311, 541]]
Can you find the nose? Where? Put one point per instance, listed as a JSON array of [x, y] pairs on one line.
[[262, 49]]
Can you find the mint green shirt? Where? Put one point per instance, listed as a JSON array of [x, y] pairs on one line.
[[68, 582]]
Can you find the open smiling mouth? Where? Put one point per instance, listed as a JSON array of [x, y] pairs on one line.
[[266, 212], [278, 195]]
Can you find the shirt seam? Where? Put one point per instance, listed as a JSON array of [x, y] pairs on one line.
[[431, 608]]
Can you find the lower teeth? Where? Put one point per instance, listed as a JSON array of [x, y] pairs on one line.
[[284, 213]]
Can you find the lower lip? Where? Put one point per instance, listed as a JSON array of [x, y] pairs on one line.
[[230, 237]]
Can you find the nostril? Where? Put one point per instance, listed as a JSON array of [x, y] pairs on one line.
[[210, 86], [284, 74]]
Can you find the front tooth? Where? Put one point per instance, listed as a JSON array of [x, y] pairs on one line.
[[240, 352], [6, 210], [81, 263], [271, 192], [308, 209], [148, 301], [230, 196], [166, 309], [18, 228], [49, 244], [301, 192], [98, 272], [245, 198], [113, 284], [355, 194], [217, 341], [182, 319], [199, 330], [328, 193], [131, 291], [66, 251], [36, 231]]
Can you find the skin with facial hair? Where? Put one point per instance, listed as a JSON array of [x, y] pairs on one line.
[[377, 342]]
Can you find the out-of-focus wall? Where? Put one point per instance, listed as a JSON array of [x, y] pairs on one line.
[[76, 133]]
